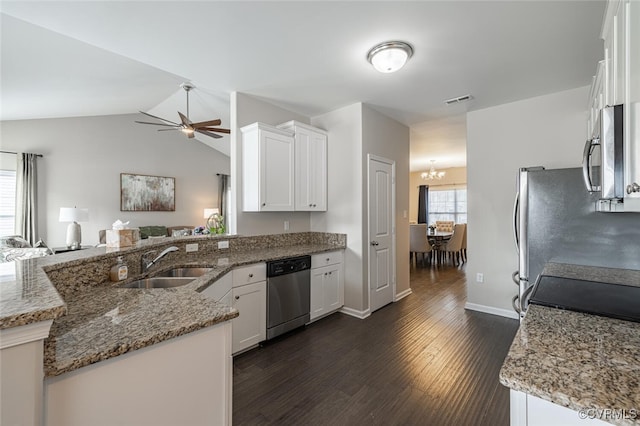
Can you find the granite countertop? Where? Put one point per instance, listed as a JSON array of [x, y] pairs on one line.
[[106, 321], [577, 360]]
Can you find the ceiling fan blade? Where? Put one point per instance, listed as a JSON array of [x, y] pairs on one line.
[[204, 132], [185, 120], [215, 129], [167, 130], [158, 118], [216, 122], [157, 124]]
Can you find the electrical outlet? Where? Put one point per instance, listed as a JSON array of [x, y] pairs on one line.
[[189, 248], [223, 244], [480, 277], [286, 225]]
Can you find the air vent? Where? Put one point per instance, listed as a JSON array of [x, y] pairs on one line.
[[459, 99]]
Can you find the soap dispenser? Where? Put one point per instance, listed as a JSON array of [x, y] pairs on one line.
[[119, 271]]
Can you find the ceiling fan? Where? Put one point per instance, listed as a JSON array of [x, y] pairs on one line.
[[187, 126]]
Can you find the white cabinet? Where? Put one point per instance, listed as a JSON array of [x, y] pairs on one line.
[[310, 183], [267, 168], [249, 297], [327, 284], [632, 105], [528, 410]]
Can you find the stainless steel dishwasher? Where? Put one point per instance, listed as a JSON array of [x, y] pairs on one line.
[[288, 292]]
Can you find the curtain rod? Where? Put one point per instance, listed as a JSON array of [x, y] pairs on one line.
[[15, 153], [444, 184]]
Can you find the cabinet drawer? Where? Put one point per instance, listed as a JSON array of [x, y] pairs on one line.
[[324, 259], [249, 274], [219, 288]]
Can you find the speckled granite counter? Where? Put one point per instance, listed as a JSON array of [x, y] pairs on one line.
[[577, 360], [104, 320]]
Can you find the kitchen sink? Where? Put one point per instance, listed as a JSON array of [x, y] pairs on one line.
[[185, 272], [160, 282]]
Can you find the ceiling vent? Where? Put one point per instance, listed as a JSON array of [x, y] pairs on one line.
[[459, 99]]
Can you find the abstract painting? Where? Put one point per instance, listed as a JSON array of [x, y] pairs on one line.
[[141, 193]]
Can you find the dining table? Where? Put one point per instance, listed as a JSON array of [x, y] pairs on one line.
[[438, 239]]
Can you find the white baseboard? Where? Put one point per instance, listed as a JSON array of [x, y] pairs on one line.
[[354, 313], [491, 310], [402, 295]]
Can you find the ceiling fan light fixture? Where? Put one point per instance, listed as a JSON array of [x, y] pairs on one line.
[[389, 56]]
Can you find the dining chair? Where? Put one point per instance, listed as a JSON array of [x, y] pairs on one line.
[[418, 242], [444, 225], [454, 246]]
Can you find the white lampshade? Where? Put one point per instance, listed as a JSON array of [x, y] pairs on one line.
[[389, 56], [209, 212], [73, 214]]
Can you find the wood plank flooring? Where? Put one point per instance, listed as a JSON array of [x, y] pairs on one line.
[[421, 361]]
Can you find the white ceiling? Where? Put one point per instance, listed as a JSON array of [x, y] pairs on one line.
[[94, 58]]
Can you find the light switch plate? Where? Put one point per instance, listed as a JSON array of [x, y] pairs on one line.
[[223, 244], [189, 248]]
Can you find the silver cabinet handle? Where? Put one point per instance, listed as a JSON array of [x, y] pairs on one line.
[[237, 297], [310, 205], [374, 243], [250, 275], [264, 204], [634, 187]]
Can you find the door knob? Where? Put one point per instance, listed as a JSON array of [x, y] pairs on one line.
[[374, 243]]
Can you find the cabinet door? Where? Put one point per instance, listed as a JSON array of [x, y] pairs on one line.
[[250, 327], [316, 298], [276, 172], [333, 288], [310, 170]]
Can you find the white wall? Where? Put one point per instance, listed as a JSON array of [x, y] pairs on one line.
[[549, 131], [246, 109], [454, 177], [344, 204], [388, 138], [83, 159]]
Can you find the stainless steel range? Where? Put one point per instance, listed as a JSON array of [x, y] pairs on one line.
[[288, 292]]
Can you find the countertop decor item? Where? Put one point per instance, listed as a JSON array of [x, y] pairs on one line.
[[74, 232], [142, 193]]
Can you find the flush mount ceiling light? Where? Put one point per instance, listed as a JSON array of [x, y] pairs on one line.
[[389, 56], [432, 174]]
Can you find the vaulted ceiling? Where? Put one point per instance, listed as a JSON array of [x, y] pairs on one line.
[[111, 57]]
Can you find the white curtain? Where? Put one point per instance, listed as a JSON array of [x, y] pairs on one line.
[[223, 197], [27, 197]]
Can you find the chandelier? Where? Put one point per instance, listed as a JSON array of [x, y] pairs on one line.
[[432, 174]]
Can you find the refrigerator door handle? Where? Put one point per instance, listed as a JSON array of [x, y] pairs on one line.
[[586, 164], [516, 224]]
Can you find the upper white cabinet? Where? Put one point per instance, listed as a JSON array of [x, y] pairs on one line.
[[618, 82], [310, 166], [632, 105], [267, 168]]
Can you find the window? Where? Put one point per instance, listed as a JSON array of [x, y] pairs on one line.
[[7, 202], [448, 204]]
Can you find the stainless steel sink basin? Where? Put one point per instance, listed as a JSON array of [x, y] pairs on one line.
[[160, 282], [185, 272]]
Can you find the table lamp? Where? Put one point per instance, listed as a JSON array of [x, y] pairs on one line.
[[74, 233], [209, 212]]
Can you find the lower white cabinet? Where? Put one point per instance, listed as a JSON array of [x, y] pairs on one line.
[[250, 327], [327, 284], [528, 410]]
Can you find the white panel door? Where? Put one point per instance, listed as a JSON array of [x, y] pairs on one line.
[[381, 232]]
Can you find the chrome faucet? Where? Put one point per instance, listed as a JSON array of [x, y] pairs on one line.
[[145, 263]]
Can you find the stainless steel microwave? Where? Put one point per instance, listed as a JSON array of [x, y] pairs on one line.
[[603, 162]]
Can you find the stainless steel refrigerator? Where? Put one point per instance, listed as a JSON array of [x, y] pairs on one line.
[[555, 220]]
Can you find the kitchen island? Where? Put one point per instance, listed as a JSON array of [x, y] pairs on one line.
[[567, 367], [98, 324]]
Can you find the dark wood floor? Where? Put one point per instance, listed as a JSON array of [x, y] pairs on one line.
[[421, 361]]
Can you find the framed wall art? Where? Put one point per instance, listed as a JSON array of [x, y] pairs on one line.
[[142, 193]]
